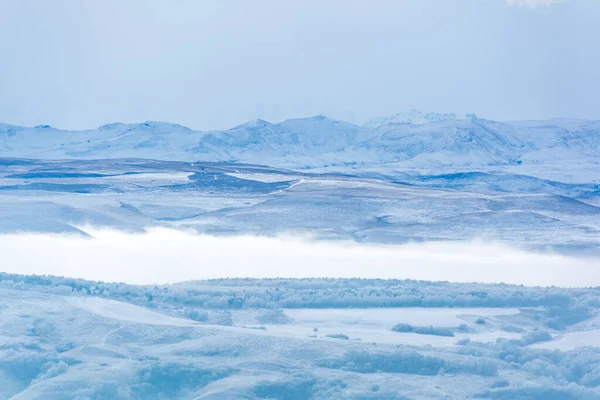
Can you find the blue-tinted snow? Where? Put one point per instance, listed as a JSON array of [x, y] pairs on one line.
[[410, 177], [69, 338], [232, 198], [558, 149]]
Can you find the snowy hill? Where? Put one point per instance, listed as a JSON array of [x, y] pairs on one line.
[[452, 142], [318, 339], [305, 141]]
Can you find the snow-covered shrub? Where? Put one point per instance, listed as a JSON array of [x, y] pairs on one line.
[[561, 317], [563, 306], [52, 369], [196, 315], [541, 392], [402, 327], [277, 316], [500, 383], [340, 336], [158, 379], [25, 367], [535, 337], [422, 330], [223, 318], [293, 388], [409, 362]]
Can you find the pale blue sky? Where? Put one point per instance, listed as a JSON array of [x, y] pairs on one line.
[[213, 64]]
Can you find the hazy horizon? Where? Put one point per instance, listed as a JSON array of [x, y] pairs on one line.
[[357, 123], [217, 64]]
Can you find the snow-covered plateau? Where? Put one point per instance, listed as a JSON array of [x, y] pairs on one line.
[[521, 192]]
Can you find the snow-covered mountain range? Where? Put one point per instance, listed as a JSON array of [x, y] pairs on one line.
[[403, 141]]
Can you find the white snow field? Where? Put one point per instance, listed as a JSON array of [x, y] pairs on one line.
[[108, 238]]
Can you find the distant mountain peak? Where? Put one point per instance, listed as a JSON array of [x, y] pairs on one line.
[[315, 118], [415, 117], [255, 123], [153, 126], [112, 126], [161, 125]]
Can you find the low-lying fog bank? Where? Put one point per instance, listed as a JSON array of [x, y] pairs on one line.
[[166, 256]]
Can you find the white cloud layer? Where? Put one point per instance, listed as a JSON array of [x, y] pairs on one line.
[[532, 3], [166, 256]]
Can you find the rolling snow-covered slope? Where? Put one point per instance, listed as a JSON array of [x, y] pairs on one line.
[[150, 139], [231, 198], [64, 338]]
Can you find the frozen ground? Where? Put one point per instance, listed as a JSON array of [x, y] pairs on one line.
[[289, 339], [233, 199], [157, 202]]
